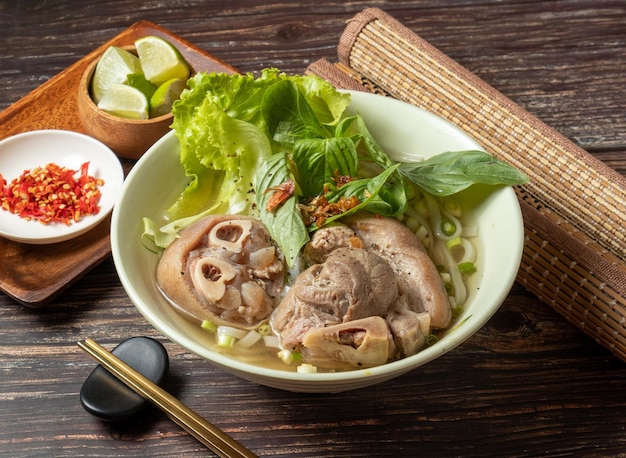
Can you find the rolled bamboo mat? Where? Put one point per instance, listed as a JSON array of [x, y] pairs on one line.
[[574, 207]]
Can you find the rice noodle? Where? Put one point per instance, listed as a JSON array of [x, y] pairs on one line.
[[439, 251], [460, 292]]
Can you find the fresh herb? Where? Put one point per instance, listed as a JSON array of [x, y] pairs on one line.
[[448, 173], [284, 223], [282, 148]]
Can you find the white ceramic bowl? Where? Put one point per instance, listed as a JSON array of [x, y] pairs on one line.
[[65, 148], [404, 131]]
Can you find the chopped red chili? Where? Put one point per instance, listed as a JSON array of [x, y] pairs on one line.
[[52, 194], [280, 194]]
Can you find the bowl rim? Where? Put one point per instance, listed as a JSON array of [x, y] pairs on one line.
[[471, 324]]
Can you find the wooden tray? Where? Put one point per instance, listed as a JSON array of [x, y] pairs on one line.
[[34, 274]]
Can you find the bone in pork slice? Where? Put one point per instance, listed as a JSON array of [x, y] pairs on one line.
[[418, 276], [362, 343], [353, 283], [223, 268], [409, 328]]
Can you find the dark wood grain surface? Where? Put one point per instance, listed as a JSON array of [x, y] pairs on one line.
[[528, 384]]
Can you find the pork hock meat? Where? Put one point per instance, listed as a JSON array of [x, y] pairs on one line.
[[225, 269], [417, 275], [371, 267], [409, 328], [353, 283], [361, 343]]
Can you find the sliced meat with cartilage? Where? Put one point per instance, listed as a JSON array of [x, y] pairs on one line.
[[225, 269]]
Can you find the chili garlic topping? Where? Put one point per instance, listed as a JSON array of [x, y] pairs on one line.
[[52, 194]]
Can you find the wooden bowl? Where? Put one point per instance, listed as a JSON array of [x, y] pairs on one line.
[[128, 138]]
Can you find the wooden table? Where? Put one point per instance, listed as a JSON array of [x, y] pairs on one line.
[[528, 384]]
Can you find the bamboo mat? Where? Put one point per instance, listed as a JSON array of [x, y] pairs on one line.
[[574, 207]]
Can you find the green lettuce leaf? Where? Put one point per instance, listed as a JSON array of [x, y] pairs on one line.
[[222, 169], [242, 136], [327, 103], [288, 115]]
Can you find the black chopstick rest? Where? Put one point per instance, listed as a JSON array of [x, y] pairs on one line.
[[107, 398]]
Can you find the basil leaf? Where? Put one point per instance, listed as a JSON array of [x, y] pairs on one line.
[[395, 192], [371, 193], [285, 224], [342, 127], [448, 173], [317, 160], [375, 151]]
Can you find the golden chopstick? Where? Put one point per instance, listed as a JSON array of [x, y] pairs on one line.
[[208, 434]]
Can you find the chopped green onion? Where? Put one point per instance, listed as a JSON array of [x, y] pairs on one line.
[[448, 227], [456, 311], [225, 341], [431, 339], [453, 207], [413, 224], [467, 268], [422, 233], [286, 356], [208, 325], [421, 208], [454, 242], [264, 329]]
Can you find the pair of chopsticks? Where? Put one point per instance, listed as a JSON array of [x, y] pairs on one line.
[[208, 434]]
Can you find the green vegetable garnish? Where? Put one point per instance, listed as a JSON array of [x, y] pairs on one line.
[[467, 268], [448, 173], [282, 148], [208, 325]]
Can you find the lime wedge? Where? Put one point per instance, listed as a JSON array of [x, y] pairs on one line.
[[138, 81], [124, 101], [113, 67], [165, 96], [160, 60]]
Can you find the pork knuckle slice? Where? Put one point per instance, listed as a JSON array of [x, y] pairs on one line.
[[353, 283], [210, 275], [409, 329], [203, 272], [417, 274], [361, 343], [230, 234], [293, 318], [366, 278]]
